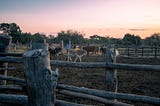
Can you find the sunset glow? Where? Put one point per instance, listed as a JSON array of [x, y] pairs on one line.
[[112, 18]]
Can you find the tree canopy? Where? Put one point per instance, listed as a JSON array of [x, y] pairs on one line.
[[12, 29], [153, 40], [130, 39], [69, 35]]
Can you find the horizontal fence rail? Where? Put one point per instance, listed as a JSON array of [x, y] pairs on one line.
[[68, 93], [11, 54], [23, 100], [104, 65], [92, 97], [112, 95], [135, 67], [14, 79], [11, 59], [8, 68], [100, 93], [79, 64], [11, 87]]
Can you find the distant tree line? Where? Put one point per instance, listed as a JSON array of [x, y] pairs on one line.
[[76, 37]]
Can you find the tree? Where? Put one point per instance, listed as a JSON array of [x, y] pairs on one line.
[[51, 39], [116, 41], [37, 37], [69, 35], [153, 40], [129, 39], [26, 38], [13, 30], [77, 37], [95, 37], [104, 40], [5, 27]]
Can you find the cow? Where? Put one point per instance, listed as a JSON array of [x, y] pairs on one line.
[[103, 51], [91, 49], [76, 54], [55, 52]]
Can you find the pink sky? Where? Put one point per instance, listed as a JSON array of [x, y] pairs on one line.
[[102, 17]]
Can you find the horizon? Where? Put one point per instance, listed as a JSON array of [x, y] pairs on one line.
[[90, 17]]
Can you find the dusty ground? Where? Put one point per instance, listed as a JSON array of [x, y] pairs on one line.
[[143, 83]]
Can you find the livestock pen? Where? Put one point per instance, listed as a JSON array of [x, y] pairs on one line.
[[95, 95]]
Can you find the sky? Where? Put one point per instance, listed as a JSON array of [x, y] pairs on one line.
[[113, 18]]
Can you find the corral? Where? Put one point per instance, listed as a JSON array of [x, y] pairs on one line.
[[133, 82], [39, 82]]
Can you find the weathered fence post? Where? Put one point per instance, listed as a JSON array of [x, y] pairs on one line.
[[128, 51], [111, 74], [41, 80], [142, 52], [5, 41], [155, 52]]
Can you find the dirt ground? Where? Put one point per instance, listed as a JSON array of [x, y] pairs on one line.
[[134, 82]]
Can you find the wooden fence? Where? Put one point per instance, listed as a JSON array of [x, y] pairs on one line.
[[41, 82], [140, 51]]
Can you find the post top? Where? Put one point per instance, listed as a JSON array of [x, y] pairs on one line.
[[35, 53]]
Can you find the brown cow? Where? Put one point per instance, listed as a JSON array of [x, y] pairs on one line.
[[103, 51], [55, 52], [91, 49]]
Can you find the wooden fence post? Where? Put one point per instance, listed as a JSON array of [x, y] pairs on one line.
[[41, 80], [111, 74], [128, 51], [5, 41], [142, 52], [155, 52]]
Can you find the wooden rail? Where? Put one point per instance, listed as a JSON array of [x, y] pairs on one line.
[[11, 59], [14, 79], [130, 67], [11, 54], [111, 95], [23, 100]]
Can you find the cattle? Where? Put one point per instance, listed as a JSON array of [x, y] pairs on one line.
[[103, 51], [76, 54], [91, 49], [55, 52]]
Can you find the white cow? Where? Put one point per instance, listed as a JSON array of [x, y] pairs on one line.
[[114, 52], [103, 51]]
